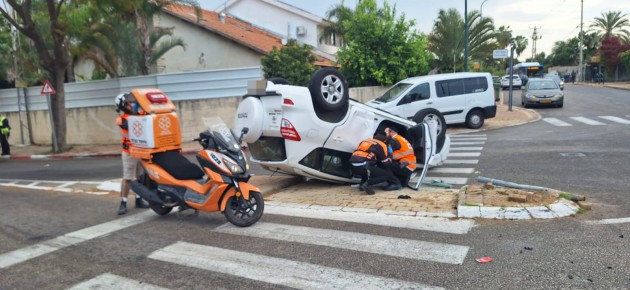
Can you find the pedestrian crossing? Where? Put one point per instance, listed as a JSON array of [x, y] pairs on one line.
[[464, 155], [590, 120], [295, 272]]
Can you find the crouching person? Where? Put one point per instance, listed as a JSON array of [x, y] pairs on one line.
[[370, 162]]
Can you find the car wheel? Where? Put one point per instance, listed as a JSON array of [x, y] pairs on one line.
[[329, 90], [475, 119], [429, 114], [279, 81]]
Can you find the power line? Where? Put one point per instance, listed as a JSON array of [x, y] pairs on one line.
[[535, 36]]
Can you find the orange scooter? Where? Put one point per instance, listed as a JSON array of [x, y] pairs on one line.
[[221, 184]]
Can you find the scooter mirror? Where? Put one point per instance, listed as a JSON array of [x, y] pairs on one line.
[[243, 132]]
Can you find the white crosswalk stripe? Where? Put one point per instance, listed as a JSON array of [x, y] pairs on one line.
[[454, 138], [273, 270], [616, 119], [556, 122], [111, 281], [452, 170], [467, 148], [464, 154], [467, 143], [461, 161], [588, 121], [403, 248], [449, 180]]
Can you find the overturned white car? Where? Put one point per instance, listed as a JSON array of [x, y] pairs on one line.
[[313, 131]]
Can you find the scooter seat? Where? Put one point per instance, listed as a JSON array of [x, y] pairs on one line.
[[177, 165]]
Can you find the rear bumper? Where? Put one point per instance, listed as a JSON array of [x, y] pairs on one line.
[[490, 111]]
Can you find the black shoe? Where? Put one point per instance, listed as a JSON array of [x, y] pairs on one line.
[[122, 209], [141, 203], [365, 187], [392, 187]]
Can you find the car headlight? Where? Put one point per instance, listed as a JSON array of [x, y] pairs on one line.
[[530, 96], [235, 168], [558, 96]]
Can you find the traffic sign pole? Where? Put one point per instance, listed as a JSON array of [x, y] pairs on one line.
[[47, 89]]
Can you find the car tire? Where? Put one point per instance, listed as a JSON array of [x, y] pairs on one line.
[[475, 119], [329, 90], [279, 81], [433, 113]]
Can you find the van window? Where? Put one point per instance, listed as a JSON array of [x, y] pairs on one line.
[[419, 92], [456, 87]]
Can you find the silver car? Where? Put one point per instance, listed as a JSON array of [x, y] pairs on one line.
[[542, 92]]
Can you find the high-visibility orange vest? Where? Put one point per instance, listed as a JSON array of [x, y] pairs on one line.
[[364, 147], [122, 122], [405, 153]]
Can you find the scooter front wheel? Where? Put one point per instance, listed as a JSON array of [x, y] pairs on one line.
[[159, 208], [244, 213]]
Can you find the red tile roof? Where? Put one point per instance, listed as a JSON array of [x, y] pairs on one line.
[[236, 30]]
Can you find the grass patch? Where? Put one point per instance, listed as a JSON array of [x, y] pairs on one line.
[[470, 204], [580, 210], [565, 196]]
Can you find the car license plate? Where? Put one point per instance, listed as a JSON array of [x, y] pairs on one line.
[[545, 101]]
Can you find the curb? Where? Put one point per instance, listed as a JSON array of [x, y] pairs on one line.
[[74, 155]]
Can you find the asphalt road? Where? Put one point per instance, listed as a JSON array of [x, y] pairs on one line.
[[568, 253]]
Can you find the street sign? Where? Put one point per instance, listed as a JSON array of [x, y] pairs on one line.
[[500, 53], [47, 89]]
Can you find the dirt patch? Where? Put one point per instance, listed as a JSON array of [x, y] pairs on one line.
[[490, 195]]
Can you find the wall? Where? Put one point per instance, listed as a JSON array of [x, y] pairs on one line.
[[218, 52]]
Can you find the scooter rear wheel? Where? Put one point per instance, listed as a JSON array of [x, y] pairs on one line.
[[246, 213], [160, 209]]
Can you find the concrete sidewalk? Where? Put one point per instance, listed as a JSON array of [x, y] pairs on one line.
[[290, 191]]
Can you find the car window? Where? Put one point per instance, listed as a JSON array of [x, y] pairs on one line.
[[542, 85], [393, 92], [449, 88], [475, 85], [419, 92]]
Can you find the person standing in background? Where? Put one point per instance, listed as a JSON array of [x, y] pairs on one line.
[[5, 132]]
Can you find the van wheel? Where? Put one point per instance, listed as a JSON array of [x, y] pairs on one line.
[[433, 114], [475, 119], [329, 90]]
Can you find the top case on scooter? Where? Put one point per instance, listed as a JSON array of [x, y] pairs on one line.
[[158, 129]]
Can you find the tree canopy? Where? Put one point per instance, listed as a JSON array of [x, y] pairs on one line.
[[381, 48], [292, 62]]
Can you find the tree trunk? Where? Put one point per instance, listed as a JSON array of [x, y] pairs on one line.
[[145, 43], [58, 106]]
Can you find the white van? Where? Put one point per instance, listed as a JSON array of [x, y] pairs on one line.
[[461, 97]]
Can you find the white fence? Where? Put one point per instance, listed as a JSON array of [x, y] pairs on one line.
[[178, 86]]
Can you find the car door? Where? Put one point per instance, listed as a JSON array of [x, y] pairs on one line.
[[450, 100], [418, 98], [357, 126]]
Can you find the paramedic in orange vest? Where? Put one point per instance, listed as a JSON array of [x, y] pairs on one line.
[[404, 159], [126, 103], [371, 163]]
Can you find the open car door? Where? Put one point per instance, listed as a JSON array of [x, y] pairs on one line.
[[427, 143]]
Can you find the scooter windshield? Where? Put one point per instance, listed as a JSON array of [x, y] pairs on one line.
[[221, 132]]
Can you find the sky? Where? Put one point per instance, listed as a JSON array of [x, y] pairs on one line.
[[555, 20]]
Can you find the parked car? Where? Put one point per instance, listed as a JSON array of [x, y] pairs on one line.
[[516, 82], [556, 78], [313, 131], [542, 92], [461, 97]]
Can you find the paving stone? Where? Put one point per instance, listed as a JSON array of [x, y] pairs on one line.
[[294, 205], [562, 209], [464, 211], [517, 197], [396, 212], [517, 213], [541, 212], [585, 205], [492, 212], [325, 207]]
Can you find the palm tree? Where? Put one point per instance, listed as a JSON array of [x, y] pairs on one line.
[[446, 39], [520, 43], [612, 23], [336, 15], [481, 36]]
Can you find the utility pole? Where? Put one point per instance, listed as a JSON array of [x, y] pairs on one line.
[[579, 74], [465, 35], [535, 37]]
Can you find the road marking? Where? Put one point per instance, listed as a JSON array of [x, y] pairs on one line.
[[273, 270], [470, 139], [466, 148], [588, 121], [556, 122], [111, 281], [461, 161], [389, 246], [467, 143], [616, 119], [449, 180], [464, 154], [614, 221], [442, 225], [468, 136], [73, 238], [452, 170]]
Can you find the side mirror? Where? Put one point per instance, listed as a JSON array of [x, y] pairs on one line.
[[243, 132]]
